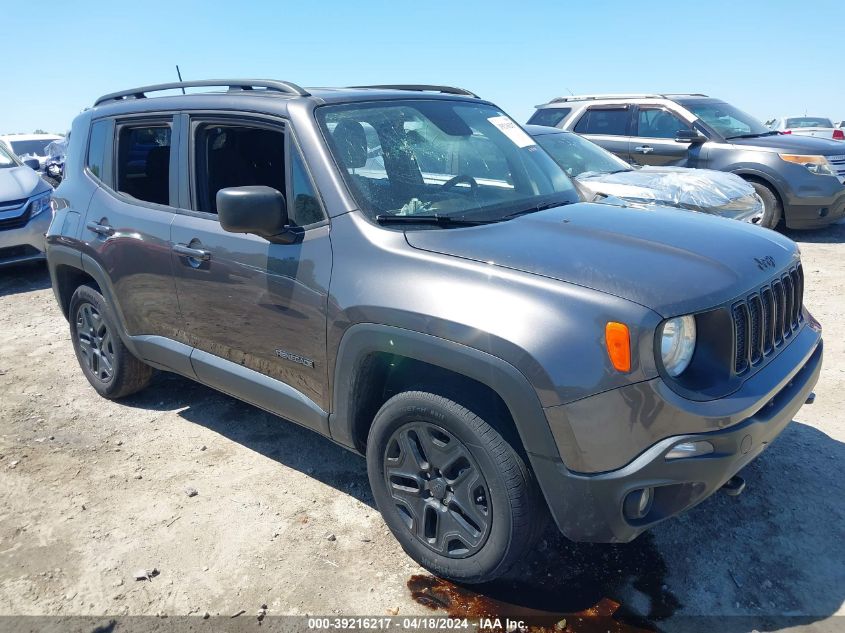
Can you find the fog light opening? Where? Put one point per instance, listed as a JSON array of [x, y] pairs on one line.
[[638, 503], [690, 449]]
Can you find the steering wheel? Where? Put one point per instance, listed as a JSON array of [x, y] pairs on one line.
[[473, 185]]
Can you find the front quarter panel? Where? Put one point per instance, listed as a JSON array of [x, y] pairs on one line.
[[552, 332]]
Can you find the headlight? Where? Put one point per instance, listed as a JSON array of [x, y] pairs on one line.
[[818, 165], [677, 343], [39, 204]]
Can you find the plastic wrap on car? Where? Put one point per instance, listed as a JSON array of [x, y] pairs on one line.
[[705, 190]]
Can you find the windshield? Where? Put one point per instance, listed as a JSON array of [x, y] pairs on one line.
[[726, 119], [6, 159], [808, 121], [435, 157], [579, 156], [31, 148]]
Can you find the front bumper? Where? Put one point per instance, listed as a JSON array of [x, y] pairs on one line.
[[589, 507], [26, 243], [818, 207]]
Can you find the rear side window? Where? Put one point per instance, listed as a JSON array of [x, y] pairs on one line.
[[549, 116], [610, 121], [143, 162], [97, 148], [658, 123]]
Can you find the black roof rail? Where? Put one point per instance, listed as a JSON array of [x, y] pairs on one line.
[[448, 90], [284, 87], [684, 94]]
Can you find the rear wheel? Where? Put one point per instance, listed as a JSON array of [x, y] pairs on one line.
[[772, 207], [457, 496], [110, 368]]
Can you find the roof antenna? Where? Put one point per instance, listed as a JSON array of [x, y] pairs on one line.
[[572, 94], [179, 73]]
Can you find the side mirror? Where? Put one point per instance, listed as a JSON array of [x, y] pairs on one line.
[[690, 136], [258, 210], [32, 163]]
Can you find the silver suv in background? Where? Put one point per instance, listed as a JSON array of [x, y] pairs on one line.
[[24, 211], [800, 179]]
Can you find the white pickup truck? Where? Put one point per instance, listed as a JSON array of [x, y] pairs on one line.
[[808, 126]]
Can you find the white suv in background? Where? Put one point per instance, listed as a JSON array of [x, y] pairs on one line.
[[30, 145], [809, 126]]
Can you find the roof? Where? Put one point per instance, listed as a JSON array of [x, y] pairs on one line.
[[617, 96], [29, 137], [274, 88]]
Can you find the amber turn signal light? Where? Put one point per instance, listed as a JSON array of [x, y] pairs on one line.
[[618, 341]]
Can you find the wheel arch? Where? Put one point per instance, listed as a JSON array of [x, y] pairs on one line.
[[364, 377], [764, 178]]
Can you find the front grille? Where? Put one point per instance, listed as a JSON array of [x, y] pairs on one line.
[[766, 319], [16, 222], [838, 163]]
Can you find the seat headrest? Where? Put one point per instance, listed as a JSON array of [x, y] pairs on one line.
[[351, 142]]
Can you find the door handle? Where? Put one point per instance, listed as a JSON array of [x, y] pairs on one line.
[[100, 229], [644, 149], [184, 250]]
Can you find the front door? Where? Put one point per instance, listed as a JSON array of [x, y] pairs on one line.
[[244, 299], [653, 141]]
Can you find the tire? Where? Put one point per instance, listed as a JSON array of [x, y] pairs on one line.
[[772, 207], [456, 495], [110, 368]]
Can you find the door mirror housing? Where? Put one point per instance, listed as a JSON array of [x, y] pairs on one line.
[[258, 210], [32, 163], [690, 136]]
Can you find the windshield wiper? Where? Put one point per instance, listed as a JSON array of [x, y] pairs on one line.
[[770, 133], [440, 220], [535, 208]]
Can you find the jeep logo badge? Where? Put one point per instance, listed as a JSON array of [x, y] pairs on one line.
[[767, 262]]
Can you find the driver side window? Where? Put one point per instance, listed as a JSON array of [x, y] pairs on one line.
[[659, 123]]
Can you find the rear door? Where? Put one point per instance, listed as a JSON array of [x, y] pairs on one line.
[[653, 141], [245, 300], [127, 225], [608, 126]]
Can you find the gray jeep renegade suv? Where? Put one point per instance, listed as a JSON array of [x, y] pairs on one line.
[[403, 270]]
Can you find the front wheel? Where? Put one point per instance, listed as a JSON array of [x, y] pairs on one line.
[[772, 208], [456, 495]]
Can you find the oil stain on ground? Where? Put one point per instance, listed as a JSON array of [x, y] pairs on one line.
[[565, 587]]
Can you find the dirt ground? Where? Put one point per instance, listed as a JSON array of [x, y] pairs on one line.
[[92, 490]]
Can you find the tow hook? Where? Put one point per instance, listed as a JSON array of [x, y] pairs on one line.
[[734, 486], [811, 398]]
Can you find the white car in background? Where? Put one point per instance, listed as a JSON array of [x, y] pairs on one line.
[[26, 146], [809, 126]]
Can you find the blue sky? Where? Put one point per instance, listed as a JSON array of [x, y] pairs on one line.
[[768, 58]]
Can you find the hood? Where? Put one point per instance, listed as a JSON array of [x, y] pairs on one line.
[[17, 183], [793, 143], [716, 192], [672, 262]]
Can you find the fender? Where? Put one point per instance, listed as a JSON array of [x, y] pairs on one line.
[[771, 178], [513, 387]]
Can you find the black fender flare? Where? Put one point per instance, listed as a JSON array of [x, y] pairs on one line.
[[363, 339]]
